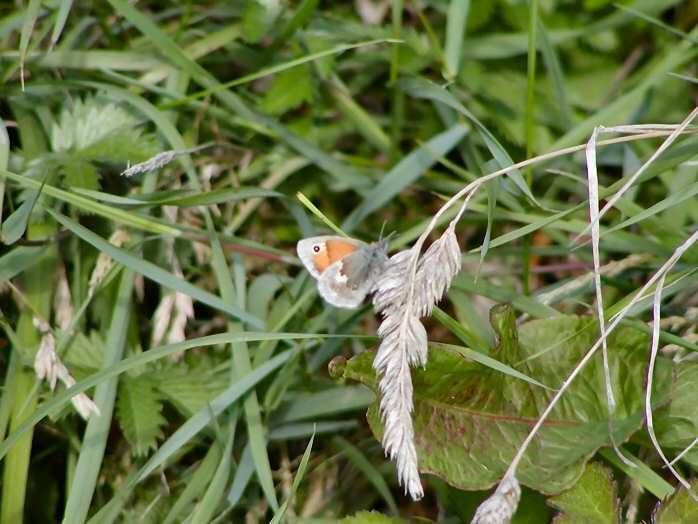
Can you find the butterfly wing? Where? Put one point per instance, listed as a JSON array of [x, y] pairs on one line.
[[333, 285], [347, 282], [319, 253]]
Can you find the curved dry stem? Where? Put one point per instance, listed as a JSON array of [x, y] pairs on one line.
[[678, 253], [654, 349], [593, 186]]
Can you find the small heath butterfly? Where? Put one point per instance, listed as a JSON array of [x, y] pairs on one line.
[[346, 269]]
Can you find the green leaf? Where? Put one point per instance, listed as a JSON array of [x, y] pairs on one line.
[[592, 500], [80, 173], [85, 351], [371, 517], [139, 410], [289, 89], [455, 29], [19, 260], [676, 425], [92, 122], [192, 390], [16, 224], [679, 509], [479, 416], [258, 18]]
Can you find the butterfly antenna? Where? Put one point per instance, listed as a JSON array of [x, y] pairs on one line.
[[384, 241], [380, 237]]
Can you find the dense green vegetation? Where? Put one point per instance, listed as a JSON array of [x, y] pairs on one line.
[[214, 384]]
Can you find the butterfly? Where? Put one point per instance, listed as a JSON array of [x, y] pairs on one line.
[[346, 269]]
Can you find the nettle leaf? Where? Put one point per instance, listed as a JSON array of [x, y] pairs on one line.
[[191, 391], [86, 122], [469, 420], [678, 509], [288, 90], [592, 500], [139, 409], [79, 172], [85, 354], [94, 130]]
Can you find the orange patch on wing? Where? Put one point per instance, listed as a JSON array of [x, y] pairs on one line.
[[332, 251]]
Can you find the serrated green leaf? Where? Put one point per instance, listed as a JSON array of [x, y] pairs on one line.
[[290, 89], [679, 509], [138, 409], [592, 500], [86, 122], [86, 352], [479, 416], [79, 172], [191, 391]]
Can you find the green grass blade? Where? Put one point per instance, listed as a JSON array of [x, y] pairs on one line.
[[298, 20], [278, 68], [364, 122], [455, 31], [243, 475], [242, 366], [19, 260], [97, 431], [153, 272], [197, 483], [489, 362], [642, 473], [30, 17], [405, 173], [531, 77], [555, 76], [61, 19], [4, 161], [458, 330], [16, 224], [621, 107], [296, 482], [90, 206], [420, 88], [674, 200], [653, 20], [194, 425], [361, 463], [315, 211], [209, 503], [324, 403], [59, 399]]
